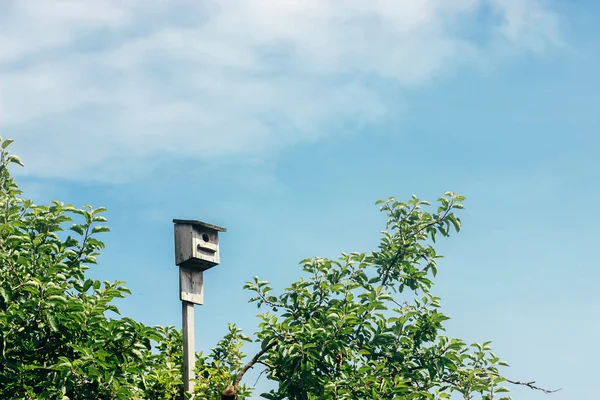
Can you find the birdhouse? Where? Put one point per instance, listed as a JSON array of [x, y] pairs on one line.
[[196, 244]]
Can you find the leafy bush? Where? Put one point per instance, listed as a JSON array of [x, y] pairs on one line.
[[60, 335]]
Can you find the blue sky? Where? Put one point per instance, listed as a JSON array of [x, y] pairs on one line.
[[286, 121]]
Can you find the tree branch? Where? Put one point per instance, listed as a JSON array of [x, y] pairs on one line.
[[230, 393], [438, 220], [266, 364], [531, 385]]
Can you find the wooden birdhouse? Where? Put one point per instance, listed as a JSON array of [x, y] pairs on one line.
[[196, 250], [196, 244]]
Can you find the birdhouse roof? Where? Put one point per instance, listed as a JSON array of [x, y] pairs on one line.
[[195, 222]]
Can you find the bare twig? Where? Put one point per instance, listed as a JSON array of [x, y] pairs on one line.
[[259, 375], [266, 364], [531, 385]]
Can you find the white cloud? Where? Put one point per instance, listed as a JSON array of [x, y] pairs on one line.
[[528, 23], [86, 85]]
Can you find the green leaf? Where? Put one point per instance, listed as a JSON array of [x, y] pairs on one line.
[[455, 221], [78, 228], [265, 343], [6, 143], [56, 299], [16, 160], [100, 229], [138, 354], [5, 294], [87, 285], [52, 322]]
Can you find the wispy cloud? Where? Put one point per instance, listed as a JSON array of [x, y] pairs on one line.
[[109, 86]]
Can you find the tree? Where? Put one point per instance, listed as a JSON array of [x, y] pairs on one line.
[[364, 326], [367, 325], [60, 335]]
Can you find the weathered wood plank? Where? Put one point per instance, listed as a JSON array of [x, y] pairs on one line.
[[189, 359], [191, 285]]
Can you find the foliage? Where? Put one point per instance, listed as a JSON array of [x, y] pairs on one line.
[[57, 337], [367, 326], [216, 372], [364, 326]]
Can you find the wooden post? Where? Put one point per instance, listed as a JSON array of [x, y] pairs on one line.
[[196, 250], [189, 359]]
